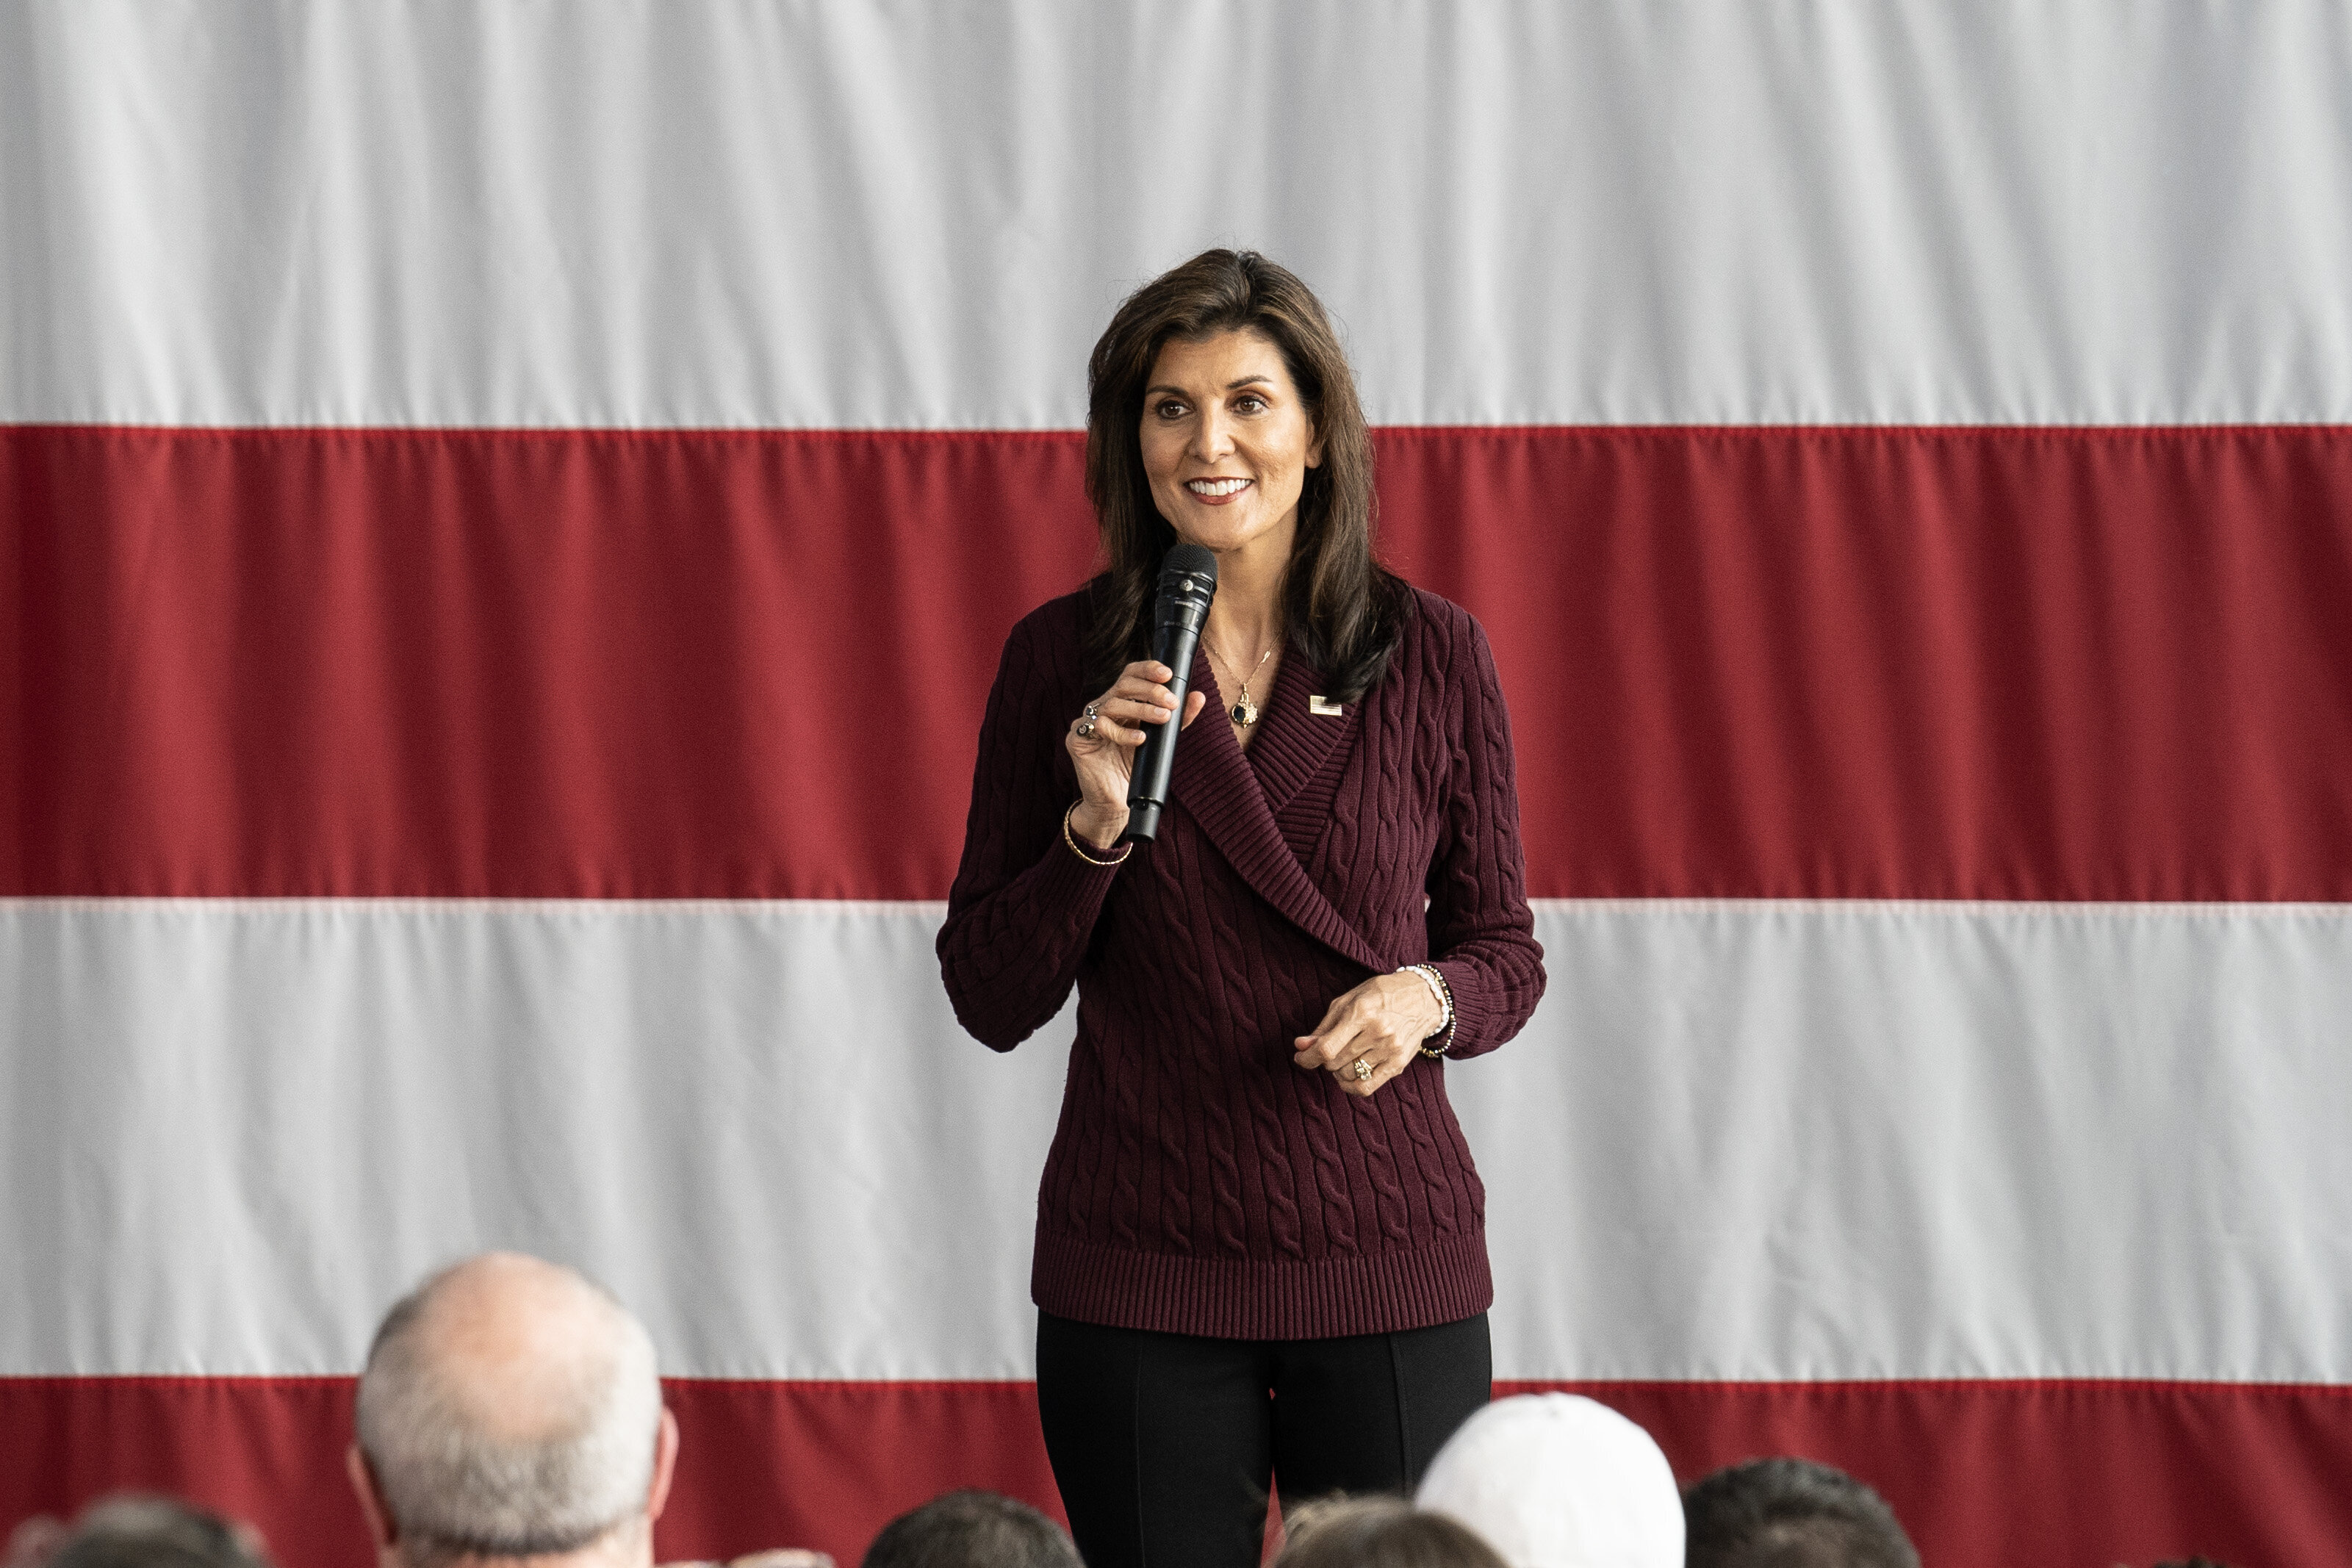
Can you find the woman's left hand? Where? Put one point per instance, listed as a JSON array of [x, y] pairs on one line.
[[1383, 1022]]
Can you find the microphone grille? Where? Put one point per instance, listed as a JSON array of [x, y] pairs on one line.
[[1189, 560]]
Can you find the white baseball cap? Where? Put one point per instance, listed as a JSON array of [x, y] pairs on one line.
[[1556, 1481]]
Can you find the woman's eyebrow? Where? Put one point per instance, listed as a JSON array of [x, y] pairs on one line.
[[1230, 386]]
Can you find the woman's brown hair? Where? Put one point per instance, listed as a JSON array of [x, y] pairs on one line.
[[1381, 1532], [1342, 607]]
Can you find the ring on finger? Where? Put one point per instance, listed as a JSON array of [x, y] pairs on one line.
[[1363, 1069], [1085, 727]]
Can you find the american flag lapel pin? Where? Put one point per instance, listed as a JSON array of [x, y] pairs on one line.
[[1321, 708]]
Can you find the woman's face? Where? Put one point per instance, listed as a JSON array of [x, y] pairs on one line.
[[1227, 443]]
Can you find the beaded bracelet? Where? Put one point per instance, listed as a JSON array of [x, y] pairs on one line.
[[1435, 981], [1076, 848]]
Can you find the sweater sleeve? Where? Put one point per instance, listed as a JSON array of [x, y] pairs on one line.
[[1024, 903], [1481, 933]]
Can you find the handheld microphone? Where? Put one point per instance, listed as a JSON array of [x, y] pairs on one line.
[[1188, 581]]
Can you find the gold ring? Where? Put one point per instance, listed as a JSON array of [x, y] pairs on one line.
[[1363, 1069]]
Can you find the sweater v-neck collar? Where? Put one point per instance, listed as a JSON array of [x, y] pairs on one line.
[[1292, 744], [1217, 786]]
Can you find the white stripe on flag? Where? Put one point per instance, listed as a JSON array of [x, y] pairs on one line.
[[853, 214], [1740, 1140]]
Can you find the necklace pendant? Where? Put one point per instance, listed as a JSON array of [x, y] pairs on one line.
[[1245, 712]]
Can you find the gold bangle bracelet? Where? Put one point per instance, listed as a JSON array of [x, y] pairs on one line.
[[1079, 851]]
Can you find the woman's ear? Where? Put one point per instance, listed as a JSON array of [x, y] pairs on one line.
[[1315, 444]]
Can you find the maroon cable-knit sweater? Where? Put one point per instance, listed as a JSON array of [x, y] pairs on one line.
[[1198, 1181]]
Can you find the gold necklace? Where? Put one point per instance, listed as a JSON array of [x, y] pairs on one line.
[[1245, 712]]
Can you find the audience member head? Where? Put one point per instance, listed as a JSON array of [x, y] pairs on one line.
[[1379, 1532], [510, 1409], [971, 1530], [154, 1532], [1554, 1480], [1792, 1513]]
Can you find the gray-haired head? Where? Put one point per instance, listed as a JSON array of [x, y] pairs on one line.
[[510, 1408]]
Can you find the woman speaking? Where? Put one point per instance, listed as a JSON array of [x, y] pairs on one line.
[[1261, 1251]]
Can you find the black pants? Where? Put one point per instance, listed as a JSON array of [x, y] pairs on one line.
[[1163, 1444]]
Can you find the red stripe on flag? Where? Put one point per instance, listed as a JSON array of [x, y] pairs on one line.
[[1997, 663], [823, 1465], [594, 665], [2001, 663], [2065, 1473], [2057, 1472]]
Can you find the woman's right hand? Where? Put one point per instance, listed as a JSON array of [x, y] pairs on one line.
[[1106, 760]]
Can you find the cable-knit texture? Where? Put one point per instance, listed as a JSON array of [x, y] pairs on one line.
[[1198, 1181]]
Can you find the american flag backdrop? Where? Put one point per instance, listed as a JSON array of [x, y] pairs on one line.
[[506, 518]]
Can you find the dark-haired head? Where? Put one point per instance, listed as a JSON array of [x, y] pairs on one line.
[[156, 1533], [1381, 1532], [1791, 1513], [971, 1530], [1341, 608]]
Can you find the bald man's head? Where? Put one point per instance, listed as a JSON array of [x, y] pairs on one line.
[[510, 1409]]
